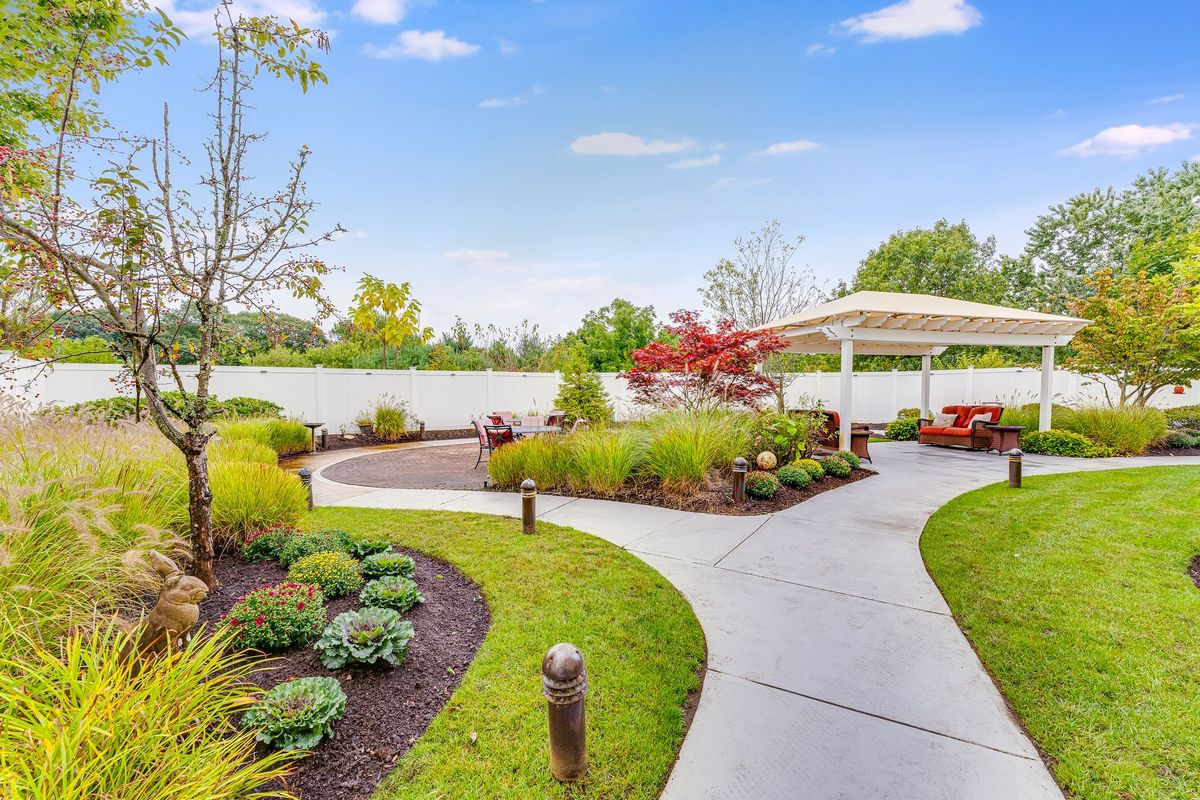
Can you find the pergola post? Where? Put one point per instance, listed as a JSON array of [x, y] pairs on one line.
[[847, 399], [1047, 387], [926, 366]]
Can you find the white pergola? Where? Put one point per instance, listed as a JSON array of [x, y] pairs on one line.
[[897, 324]]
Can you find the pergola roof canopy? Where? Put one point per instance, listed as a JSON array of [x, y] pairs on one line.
[[894, 323]]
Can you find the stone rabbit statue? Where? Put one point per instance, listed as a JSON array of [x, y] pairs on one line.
[[170, 622]]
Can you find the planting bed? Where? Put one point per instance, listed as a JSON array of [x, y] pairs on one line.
[[717, 496], [386, 709]]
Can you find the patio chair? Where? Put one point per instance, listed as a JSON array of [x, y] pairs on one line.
[[500, 417], [831, 438], [556, 418], [490, 438], [580, 423]]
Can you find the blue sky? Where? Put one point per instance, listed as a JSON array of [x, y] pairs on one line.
[[533, 160]]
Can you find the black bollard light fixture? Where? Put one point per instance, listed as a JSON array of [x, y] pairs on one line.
[[564, 682], [528, 506], [306, 479], [740, 467], [1015, 457]]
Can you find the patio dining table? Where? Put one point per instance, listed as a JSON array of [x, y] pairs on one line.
[[521, 431]]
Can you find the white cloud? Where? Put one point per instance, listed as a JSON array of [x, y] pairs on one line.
[[508, 48], [624, 144], [381, 12], [521, 99], [1169, 98], [425, 45], [722, 183], [783, 148], [914, 19], [196, 20], [609, 89], [1058, 113], [1128, 141], [760, 181], [567, 284], [819, 49], [692, 163]]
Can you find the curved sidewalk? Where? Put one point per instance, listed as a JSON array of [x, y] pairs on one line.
[[835, 669]]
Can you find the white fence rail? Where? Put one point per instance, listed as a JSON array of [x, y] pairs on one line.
[[452, 399]]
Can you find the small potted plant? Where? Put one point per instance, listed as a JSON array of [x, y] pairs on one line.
[[365, 422]]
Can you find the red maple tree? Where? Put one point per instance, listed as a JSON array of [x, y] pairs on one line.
[[698, 367]]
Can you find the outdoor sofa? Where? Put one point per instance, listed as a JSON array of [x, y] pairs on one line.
[[969, 427]]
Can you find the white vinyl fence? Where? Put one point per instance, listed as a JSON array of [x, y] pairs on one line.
[[452, 399]]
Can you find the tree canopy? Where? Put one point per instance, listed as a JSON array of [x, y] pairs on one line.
[[609, 334]]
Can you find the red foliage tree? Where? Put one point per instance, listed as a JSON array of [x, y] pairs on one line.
[[698, 367]]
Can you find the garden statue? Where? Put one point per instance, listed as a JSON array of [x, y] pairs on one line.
[[175, 614], [766, 460]]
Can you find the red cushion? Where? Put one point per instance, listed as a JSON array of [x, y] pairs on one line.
[[837, 420], [937, 430], [993, 412]]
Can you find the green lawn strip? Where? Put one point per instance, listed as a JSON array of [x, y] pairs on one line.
[[1075, 592], [642, 643]]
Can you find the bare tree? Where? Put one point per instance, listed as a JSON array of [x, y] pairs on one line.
[[139, 256], [760, 285]]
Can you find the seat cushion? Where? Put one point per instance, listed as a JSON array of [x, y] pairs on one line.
[[938, 430]]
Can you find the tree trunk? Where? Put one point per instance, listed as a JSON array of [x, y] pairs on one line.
[[200, 511]]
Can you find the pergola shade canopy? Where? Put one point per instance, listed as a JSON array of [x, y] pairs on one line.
[[891, 323]]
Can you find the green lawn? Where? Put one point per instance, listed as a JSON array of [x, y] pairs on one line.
[[641, 640], [1075, 592]]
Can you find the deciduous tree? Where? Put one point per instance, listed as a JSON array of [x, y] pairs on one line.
[[1143, 335], [388, 312], [696, 367], [137, 253]]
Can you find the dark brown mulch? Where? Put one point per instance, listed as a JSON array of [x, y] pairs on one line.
[[386, 709], [1173, 451], [717, 496], [336, 442], [1194, 570]]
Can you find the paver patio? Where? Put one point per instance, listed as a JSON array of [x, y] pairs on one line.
[[835, 669]]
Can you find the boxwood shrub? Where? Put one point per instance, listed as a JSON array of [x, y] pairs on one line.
[[298, 714], [794, 476], [812, 467], [902, 430], [1062, 443], [837, 467], [1183, 439], [761, 485], [850, 458]]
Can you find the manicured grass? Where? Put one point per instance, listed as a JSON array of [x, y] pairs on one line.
[[1075, 592], [642, 644]]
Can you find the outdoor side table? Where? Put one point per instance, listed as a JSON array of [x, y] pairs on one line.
[[1005, 437]]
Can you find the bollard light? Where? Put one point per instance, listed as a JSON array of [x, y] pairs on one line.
[[1015, 458], [740, 467], [564, 682], [528, 506], [324, 438], [306, 479]]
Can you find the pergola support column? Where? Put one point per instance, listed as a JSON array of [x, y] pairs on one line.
[[926, 366], [1047, 388], [847, 399]]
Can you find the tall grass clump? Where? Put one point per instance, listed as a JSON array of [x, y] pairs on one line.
[[545, 459], [248, 450], [603, 461], [391, 419], [1128, 430], [249, 496], [284, 436], [682, 447], [82, 722]]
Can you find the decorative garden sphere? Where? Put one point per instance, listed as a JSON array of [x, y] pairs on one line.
[[766, 460]]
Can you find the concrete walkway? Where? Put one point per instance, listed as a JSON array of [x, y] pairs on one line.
[[835, 669]]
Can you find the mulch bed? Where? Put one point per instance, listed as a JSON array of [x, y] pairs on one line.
[[335, 442], [717, 496], [1173, 451], [386, 709], [1194, 570]]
